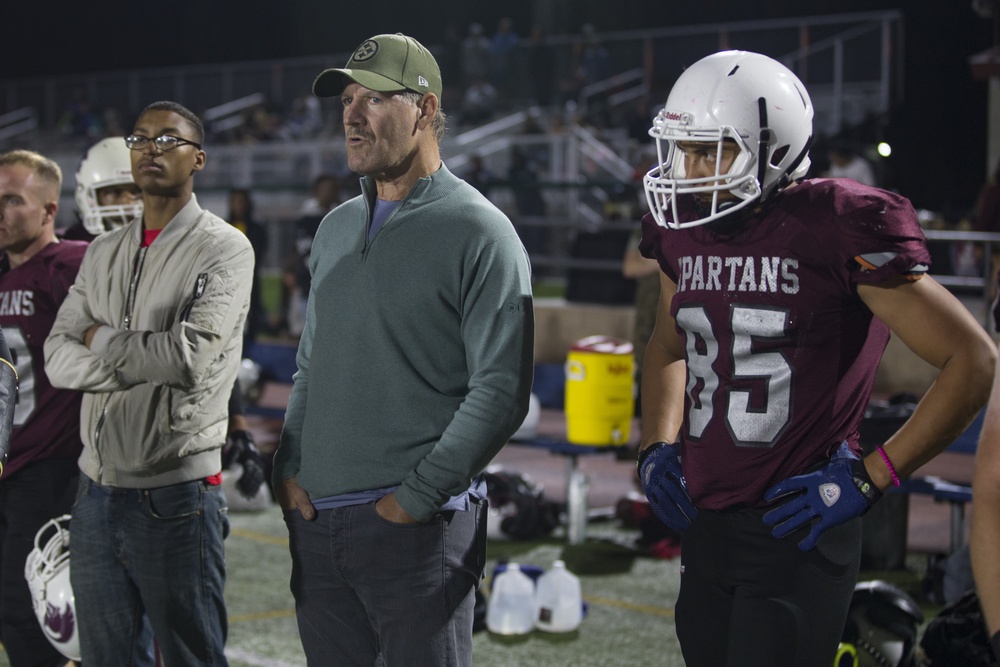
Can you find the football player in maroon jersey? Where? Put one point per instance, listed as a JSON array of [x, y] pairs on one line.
[[40, 477], [778, 298]]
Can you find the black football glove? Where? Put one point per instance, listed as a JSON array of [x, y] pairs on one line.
[[240, 448], [826, 498]]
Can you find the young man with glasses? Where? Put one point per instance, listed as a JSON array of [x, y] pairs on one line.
[[151, 332]]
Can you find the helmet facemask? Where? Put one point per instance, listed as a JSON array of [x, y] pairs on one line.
[[668, 180], [98, 219]]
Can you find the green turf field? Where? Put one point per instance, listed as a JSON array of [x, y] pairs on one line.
[[629, 596]]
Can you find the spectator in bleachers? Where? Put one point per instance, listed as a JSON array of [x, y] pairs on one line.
[[541, 65], [295, 276], [846, 163], [639, 117], [475, 55], [303, 121], [478, 176], [259, 124], [503, 51], [595, 60], [449, 54], [522, 176], [111, 122], [479, 102], [79, 120], [241, 217]]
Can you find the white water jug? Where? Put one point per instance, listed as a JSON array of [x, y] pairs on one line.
[[511, 605], [558, 601]]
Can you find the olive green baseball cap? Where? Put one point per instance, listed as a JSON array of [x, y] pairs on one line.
[[384, 63]]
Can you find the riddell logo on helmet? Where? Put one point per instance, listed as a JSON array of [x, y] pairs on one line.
[[676, 116]]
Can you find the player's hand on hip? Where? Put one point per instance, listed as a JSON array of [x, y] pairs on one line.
[[835, 494], [291, 496], [663, 482]]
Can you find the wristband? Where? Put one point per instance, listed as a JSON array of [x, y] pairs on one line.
[[888, 464], [863, 483]]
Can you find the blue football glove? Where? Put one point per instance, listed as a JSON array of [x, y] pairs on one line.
[[826, 498], [663, 482]]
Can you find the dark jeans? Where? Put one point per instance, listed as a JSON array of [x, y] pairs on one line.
[[153, 554], [28, 499], [748, 598], [366, 588]]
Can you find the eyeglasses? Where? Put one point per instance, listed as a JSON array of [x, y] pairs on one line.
[[164, 142]]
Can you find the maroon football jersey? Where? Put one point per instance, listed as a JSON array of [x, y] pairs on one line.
[[781, 352], [46, 419]]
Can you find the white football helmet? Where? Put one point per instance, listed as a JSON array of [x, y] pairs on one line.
[[47, 572], [107, 163], [749, 99]]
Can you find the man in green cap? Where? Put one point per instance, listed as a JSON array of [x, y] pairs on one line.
[[414, 369]]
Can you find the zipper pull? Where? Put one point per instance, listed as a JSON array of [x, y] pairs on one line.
[[199, 285], [199, 289]]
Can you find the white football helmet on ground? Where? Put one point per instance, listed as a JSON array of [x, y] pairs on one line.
[[106, 164], [746, 98], [47, 572]]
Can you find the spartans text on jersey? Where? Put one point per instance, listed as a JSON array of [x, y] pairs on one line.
[[17, 302], [738, 274]]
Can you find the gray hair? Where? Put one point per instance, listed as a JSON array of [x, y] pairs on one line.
[[440, 121]]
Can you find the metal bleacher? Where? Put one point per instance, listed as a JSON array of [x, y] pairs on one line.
[[849, 62]]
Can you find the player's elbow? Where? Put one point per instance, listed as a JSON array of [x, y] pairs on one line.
[[976, 363]]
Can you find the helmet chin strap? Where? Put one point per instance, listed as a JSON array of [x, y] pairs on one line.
[[733, 222]]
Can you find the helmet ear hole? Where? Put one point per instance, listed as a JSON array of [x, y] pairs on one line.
[[778, 154]]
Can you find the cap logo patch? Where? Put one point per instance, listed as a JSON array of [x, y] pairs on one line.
[[365, 51], [422, 81]]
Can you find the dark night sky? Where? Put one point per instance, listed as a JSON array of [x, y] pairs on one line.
[[938, 134]]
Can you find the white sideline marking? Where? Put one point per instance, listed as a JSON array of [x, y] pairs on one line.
[[254, 659]]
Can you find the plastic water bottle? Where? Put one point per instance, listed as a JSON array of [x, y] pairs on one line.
[[511, 605], [576, 502], [558, 602]]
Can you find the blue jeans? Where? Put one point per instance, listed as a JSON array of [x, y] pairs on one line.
[[367, 589], [149, 556]]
